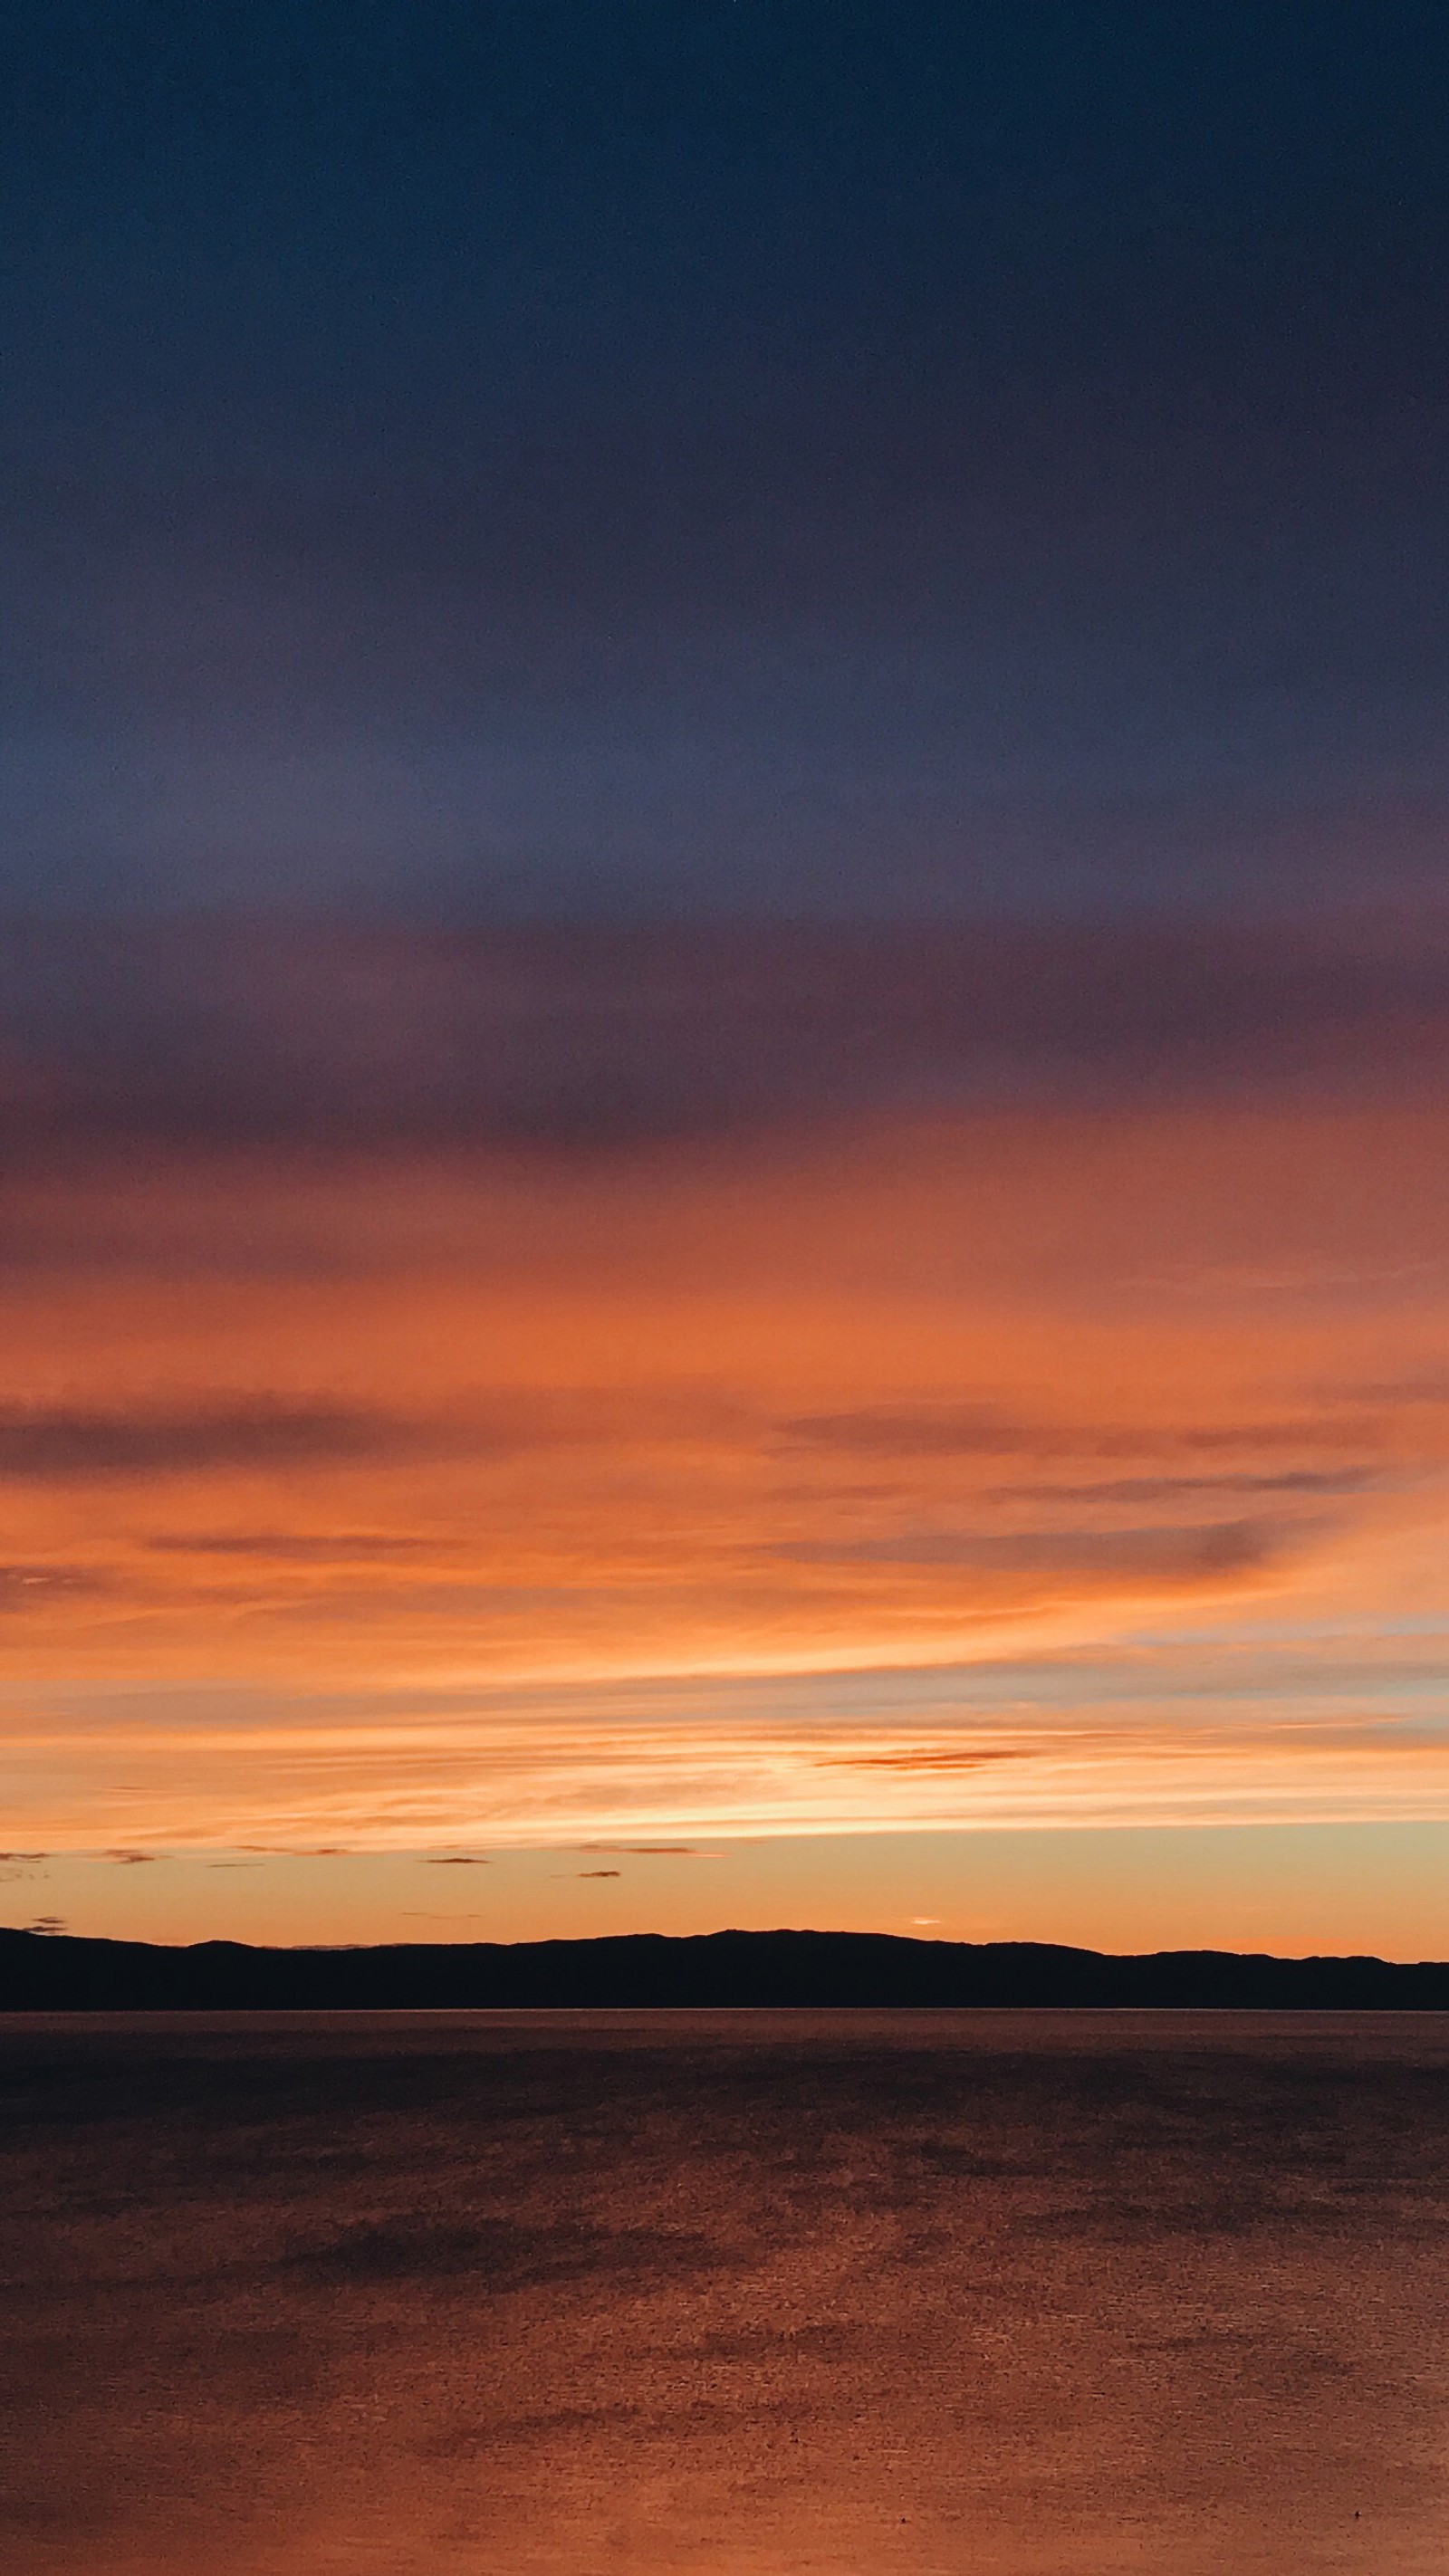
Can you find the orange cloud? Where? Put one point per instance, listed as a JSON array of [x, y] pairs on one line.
[[419, 1490]]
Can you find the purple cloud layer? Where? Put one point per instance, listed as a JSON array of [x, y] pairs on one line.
[[600, 1041]]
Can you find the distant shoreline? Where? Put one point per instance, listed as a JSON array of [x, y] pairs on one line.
[[57, 1972]]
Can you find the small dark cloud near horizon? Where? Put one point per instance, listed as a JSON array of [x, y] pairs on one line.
[[650, 1851], [929, 1758], [315, 1851], [599, 1873], [131, 1859], [456, 1860]]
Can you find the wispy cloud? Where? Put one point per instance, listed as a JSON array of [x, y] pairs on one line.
[[597, 1042], [1221, 1547], [948, 1431], [576, 1415], [1197, 1723], [917, 1431], [66, 1443], [27, 1587], [293, 1547], [1131, 1490], [650, 1851], [944, 1430]]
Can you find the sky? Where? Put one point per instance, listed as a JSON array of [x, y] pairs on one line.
[[724, 997]]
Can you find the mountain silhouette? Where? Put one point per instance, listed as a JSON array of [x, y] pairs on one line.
[[54, 1972]]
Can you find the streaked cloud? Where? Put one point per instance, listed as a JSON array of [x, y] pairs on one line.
[[1222, 1546], [959, 1431], [1199, 1722], [292, 1547], [724, 982], [1130, 1490], [916, 1431], [589, 1042], [651, 1851], [26, 1587], [67, 1443], [836, 1465]]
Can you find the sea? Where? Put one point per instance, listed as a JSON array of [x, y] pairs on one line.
[[724, 2294]]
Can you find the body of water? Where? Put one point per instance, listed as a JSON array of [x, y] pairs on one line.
[[832, 2294]]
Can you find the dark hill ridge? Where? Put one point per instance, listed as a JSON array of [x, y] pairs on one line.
[[47, 1972]]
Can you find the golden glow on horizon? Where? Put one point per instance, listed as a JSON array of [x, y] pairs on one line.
[[1066, 1468]]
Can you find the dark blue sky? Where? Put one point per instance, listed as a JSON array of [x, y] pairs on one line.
[[575, 460]]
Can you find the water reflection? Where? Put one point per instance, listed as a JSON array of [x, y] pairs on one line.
[[998, 2294]]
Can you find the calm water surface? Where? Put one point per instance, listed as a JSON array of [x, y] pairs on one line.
[[831, 2294]]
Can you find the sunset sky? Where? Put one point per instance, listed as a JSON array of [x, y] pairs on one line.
[[724, 1017]]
